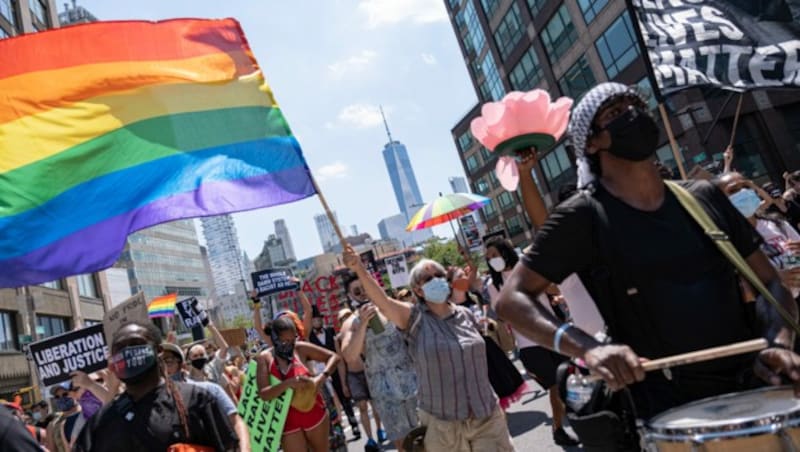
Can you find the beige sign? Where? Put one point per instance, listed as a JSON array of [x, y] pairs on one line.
[[134, 309]]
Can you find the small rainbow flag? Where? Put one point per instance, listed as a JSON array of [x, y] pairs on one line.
[[111, 127], [163, 306]]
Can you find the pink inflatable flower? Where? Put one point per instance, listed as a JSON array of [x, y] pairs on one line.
[[520, 121]]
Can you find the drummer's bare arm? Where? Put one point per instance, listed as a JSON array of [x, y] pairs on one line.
[[518, 305], [778, 360]]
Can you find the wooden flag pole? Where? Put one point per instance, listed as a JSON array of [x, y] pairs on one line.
[[328, 212], [736, 120], [672, 141]]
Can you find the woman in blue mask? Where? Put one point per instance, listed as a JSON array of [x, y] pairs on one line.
[[781, 240], [456, 401], [280, 369]]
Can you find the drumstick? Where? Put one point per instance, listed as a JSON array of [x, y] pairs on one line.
[[699, 356]]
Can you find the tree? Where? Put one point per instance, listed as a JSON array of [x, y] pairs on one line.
[[445, 253]]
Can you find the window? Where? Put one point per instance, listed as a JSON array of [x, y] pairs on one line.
[[52, 325], [578, 79], [39, 11], [506, 200], [557, 168], [454, 3], [489, 211], [465, 141], [559, 34], [8, 332], [472, 163], [52, 284], [536, 6], [493, 179], [647, 90], [591, 8], [4, 33], [527, 73], [86, 287], [7, 11], [514, 226], [617, 46], [474, 31], [487, 155], [490, 7], [491, 87], [509, 32], [481, 186], [87, 322]]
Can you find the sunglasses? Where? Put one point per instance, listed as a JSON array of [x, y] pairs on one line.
[[427, 278], [357, 291]]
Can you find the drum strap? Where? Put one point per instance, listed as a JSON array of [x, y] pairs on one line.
[[693, 207]]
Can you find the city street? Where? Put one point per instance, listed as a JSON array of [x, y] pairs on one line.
[[528, 421]]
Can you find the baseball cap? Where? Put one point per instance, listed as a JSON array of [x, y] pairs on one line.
[[170, 347]]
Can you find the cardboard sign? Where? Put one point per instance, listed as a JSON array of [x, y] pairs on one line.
[[273, 280], [265, 420], [56, 357], [234, 336], [322, 292], [397, 268], [191, 314], [134, 309]]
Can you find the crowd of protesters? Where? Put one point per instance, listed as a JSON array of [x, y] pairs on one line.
[[430, 367]]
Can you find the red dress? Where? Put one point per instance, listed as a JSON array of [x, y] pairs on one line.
[[297, 420]]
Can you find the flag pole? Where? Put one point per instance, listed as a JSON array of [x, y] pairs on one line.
[[651, 75], [328, 212], [736, 120]]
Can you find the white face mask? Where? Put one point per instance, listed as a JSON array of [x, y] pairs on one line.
[[498, 264]]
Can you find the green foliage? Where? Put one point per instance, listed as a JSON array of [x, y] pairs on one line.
[[241, 321], [445, 253]]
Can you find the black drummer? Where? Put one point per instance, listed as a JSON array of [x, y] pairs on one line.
[[661, 285]]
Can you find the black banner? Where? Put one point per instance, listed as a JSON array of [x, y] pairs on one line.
[[273, 280], [191, 314], [732, 44], [57, 357]]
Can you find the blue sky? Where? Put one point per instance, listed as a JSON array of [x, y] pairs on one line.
[[331, 63]]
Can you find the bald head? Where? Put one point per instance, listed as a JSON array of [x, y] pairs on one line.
[[197, 351]]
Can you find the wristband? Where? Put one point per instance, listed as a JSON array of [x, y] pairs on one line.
[[255, 300], [557, 337]]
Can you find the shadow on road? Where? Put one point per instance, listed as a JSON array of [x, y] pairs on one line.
[[521, 422]]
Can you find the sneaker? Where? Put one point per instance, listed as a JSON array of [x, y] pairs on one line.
[[562, 438], [371, 446], [356, 432], [381, 436]]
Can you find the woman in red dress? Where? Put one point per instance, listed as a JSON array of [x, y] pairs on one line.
[[307, 424]]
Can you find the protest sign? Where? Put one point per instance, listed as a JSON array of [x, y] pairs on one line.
[[265, 420], [273, 280], [234, 336], [134, 309], [397, 268], [56, 357], [471, 234], [322, 292], [191, 314], [734, 44]]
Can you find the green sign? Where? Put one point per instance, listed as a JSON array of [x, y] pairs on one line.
[[265, 420]]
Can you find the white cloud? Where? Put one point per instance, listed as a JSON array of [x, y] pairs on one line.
[[388, 12], [428, 58], [360, 116], [352, 65], [335, 170]]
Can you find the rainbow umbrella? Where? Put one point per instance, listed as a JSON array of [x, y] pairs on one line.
[[446, 208]]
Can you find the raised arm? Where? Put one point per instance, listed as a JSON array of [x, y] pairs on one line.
[[727, 156], [531, 197], [307, 309], [222, 353], [396, 311], [257, 324]]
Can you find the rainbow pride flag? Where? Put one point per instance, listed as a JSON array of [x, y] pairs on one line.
[[163, 306], [111, 127]]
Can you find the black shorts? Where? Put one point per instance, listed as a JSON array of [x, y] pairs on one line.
[[542, 363], [357, 382]]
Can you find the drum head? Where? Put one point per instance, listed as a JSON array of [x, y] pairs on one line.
[[730, 410]]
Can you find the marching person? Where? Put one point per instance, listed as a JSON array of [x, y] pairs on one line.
[[154, 412], [63, 430], [14, 436], [456, 399], [322, 336], [307, 424], [173, 359], [263, 330], [660, 283], [388, 378]]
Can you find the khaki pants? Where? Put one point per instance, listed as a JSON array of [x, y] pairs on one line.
[[474, 435]]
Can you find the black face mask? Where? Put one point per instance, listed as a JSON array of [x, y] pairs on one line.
[[199, 363], [634, 135]]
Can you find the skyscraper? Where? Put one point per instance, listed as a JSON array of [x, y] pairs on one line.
[[26, 16], [404, 183], [327, 235], [283, 233], [75, 15], [459, 185], [227, 265]]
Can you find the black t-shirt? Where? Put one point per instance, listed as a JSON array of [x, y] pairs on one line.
[[123, 425], [661, 284]]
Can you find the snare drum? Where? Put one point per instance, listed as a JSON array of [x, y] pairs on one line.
[[761, 420]]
